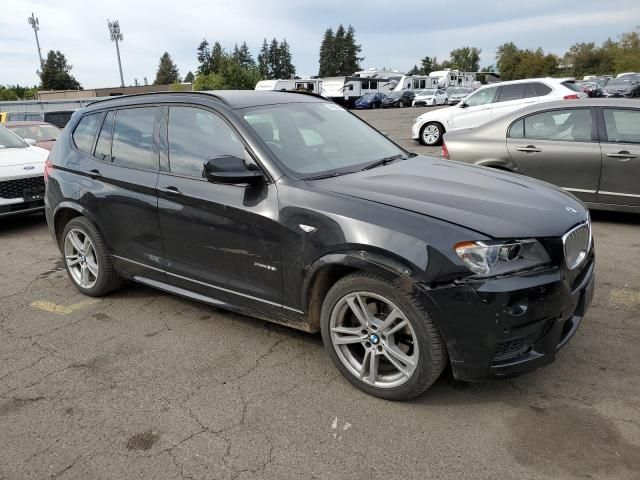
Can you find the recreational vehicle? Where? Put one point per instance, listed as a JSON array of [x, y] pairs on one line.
[[313, 85], [346, 90], [415, 82], [453, 78]]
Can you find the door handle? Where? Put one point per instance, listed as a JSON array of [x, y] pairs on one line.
[[623, 155], [171, 190], [94, 173], [528, 149]]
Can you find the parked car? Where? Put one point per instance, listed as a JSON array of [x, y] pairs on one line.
[[491, 101], [400, 99], [44, 134], [430, 97], [287, 207], [21, 175], [370, 100], [58, 118], [590, 148], [627, 86], [457, 94]]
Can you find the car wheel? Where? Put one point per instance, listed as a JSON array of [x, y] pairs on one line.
[[86, 259], [381, 338], [401, 104], [431, 134]]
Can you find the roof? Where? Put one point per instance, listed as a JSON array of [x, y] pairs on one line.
[[231, 98], [27, 123]]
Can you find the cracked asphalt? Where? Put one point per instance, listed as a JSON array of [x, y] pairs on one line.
[[142, 384]]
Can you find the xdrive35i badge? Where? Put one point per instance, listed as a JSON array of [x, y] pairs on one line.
[[28, 167]]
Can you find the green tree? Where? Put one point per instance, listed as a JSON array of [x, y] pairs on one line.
[[204, 58], [217, 57], [243, 56], [414, 71], [273, 58], [209, 81], [286, 68], [627, 57], [263, 61], [328, 64], [56, 73], [466, 59], [507, 60], [428, 65], [7, 93], [188, 78], [350, 59], [167, 71]]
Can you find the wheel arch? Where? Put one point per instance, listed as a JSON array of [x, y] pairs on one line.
[[64, 213]]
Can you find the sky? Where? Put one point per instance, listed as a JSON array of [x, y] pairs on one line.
[[394, 35]]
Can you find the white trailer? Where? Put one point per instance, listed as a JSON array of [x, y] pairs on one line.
[[346, 90], [415, 82], [313, 85], [453, 78]]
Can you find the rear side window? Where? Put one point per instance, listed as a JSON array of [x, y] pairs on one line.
[[570, 125], [85, 132], [517, 129], [103, 146], [481, 97], [541, 89], [512, 92], [133, 144], [571, 86], [623, 126], [197, 135], [59, 119]]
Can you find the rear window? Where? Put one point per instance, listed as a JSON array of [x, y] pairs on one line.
[[85, 132]]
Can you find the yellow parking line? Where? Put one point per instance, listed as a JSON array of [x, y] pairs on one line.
[[59, 308]]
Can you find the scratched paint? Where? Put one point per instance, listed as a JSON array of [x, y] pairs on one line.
[[59, 308]]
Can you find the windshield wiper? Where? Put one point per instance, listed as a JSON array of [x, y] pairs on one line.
[[385, 161], [330, 174]]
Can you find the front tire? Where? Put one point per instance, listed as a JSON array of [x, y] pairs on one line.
[[431, 134], [87, 261], [401, 104], [381, 338]]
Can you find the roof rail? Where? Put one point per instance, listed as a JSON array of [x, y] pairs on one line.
[[207, 93]]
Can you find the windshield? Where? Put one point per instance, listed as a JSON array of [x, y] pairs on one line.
[[395, 95], [314, 139], [40, 133], [428, 91], [368, 96], [620, 82], [9, 140], [572, 86]]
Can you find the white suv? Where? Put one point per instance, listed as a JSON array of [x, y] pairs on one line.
[[21, 175], [489, 102]]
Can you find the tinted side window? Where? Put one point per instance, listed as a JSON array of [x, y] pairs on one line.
[[33, 117], [517, 129], [195, 136], [481, 97], [512, 92], [541, 89], [622, 126], [103, 146], [133, 138], [85, 132], [573, 125]]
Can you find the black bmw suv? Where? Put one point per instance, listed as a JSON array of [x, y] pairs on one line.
[[287, 207]]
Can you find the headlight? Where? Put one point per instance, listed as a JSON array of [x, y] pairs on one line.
[[490, 258]]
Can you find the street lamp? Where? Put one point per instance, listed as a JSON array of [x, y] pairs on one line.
[[116, 36], [35, 24]]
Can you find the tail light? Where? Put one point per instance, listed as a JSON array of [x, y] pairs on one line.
[[48, 166], [571, 97], [445, 151]]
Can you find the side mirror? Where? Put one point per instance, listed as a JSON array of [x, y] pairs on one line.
[[30, 141], [462, 104], [230, 169]]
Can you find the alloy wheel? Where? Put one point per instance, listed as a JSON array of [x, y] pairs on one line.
[[431, 134], [81, 259], [374, 339]]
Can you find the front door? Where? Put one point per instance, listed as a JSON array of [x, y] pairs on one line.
[[560, 147], [620, 147], [475, 110], [220, 240]]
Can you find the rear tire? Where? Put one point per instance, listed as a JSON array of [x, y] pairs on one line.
[[87, 261], [400, 343], [431, 134], [401, 104]]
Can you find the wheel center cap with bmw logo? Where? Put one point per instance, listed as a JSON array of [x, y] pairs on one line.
[[375, 339]]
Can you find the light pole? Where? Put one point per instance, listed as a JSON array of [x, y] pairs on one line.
[[116, 35], [35, 24]]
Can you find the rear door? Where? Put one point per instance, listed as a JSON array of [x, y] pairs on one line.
[[559, 146], [620, 144], [512, 97], [475, 110], [119, 188]]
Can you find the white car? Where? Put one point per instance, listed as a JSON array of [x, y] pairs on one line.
[[21, 175], [430, 97], [489, 102]]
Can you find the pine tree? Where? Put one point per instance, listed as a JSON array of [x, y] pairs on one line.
[[273, 59], [167, 71], [217, 57], [188, 78], [263, 61], [56, 73], [351, 60], [244, 56], [204, 58], [287, 70], [339, 51], [327, 55]]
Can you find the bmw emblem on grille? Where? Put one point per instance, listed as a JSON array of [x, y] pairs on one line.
[[571, 210], [28, 167]]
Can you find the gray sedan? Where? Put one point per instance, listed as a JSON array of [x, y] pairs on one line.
[[589, 147]]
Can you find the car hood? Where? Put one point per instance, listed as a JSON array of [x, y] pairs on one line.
[[497, 204], [21, 162]]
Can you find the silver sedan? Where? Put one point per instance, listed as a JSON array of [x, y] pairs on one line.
[[589, 147]]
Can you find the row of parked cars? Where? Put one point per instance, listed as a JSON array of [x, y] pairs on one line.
[[548, 129], [623, 86], [428, 97]]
